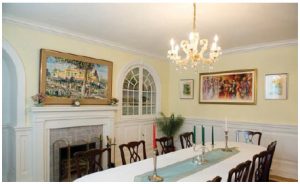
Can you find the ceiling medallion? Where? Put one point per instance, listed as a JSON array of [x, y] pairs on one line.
[[194, 59]]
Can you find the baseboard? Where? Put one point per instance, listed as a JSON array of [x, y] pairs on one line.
[[275, 178], [284, 168]]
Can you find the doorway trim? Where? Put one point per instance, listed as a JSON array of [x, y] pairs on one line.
[[20, 76]]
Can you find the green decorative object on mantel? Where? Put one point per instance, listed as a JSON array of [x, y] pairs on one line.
[[39, 104], [114, 101]]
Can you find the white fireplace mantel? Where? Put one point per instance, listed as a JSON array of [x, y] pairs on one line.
[[54, 117]]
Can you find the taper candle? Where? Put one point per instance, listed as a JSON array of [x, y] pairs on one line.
[[226, 126], [203, 136], [154, 136], [212, 135], [194, 135]]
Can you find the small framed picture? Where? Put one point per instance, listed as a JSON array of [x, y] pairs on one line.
[[276, 86], [186, 87]]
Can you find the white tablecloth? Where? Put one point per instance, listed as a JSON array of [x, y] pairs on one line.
[[127, 173]]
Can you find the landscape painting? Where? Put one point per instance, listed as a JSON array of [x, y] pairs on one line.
[[186, 87], [230, 87], [65, 77]]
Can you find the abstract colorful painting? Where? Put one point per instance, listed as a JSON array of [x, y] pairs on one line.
[[230, 87], [276, 86], [65, 77]]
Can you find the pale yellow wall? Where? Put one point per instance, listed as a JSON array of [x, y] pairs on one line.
[[266, 61], [28, 42]]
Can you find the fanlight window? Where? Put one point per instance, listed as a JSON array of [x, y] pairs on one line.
[[139, 93]]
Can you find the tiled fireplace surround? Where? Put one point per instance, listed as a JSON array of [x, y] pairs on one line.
[[74, 136], [48, 118]]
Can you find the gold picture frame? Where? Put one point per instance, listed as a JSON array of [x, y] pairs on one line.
[[65, 77], [228, 87]]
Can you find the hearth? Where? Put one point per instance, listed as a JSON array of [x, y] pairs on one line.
[[64, 160], [64, 143]]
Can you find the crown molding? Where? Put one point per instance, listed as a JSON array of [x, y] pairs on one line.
[[114, 45], [79, 36], [260, 46]]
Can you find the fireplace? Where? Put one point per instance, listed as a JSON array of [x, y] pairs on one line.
[[75, 125], [64, 162], [71, 139]]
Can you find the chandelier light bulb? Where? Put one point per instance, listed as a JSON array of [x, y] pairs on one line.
[[213, 46], [172, 42], [191, 36], [216, 38]]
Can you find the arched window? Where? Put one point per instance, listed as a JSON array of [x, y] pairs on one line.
[[139, 92]]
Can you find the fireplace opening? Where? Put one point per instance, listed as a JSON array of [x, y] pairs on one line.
[[63, 160]]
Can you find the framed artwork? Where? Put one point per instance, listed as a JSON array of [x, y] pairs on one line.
[[228, 87], [186, 87], [65, 77], [276, 86]]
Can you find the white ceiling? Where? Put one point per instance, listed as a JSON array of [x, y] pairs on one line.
[[148, 27]]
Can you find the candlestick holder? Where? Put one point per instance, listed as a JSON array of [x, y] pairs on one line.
[[226, 149], [200, 158], [154, 177]]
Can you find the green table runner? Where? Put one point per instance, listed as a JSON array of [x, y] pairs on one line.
[[186, 167]]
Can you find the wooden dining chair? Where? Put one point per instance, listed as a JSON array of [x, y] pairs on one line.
[[248, 136], [215, 179], [271, 148], [133, 148], [90, 161], [186, 139], [260, 172], [167, 144], [240, 173]]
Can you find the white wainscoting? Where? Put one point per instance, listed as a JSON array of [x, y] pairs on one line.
[[133, 130], [17, 151], [8, 159], [23, 153], [285, 161]]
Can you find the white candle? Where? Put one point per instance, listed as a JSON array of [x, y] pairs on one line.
[[226, 127]]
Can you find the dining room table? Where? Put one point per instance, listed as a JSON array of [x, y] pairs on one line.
[[181, 166]]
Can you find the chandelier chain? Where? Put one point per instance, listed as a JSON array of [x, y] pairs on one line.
[[194, 23]]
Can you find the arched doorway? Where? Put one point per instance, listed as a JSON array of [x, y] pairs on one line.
[[13, 108]]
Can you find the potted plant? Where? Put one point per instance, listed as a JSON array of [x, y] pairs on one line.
[[38, 99], [114, 101], [169, 126]]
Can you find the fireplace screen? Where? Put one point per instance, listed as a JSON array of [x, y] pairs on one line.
[[63, 158]]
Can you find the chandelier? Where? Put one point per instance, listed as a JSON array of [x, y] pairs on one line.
[[193, 58]]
